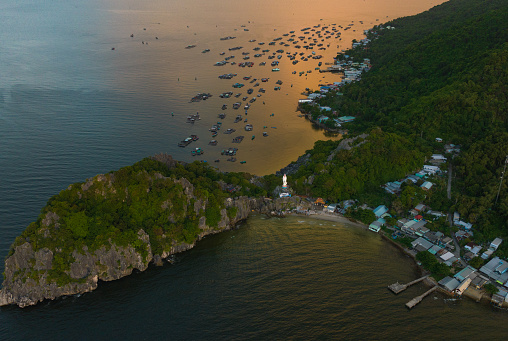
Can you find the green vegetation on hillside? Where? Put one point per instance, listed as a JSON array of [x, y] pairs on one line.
[[442, 73], [112, 208], [358, 172]]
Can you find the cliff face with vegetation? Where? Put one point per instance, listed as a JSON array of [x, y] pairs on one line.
[[110, 225]]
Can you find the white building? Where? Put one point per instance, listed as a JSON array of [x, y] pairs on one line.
[[431, 169], [495, 243]]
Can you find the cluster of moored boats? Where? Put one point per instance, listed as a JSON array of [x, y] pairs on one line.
[[310, 39]]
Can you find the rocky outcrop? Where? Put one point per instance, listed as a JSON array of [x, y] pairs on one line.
[[348, 144], [30, 275], [54, 257], [29, 280], [293, 167]]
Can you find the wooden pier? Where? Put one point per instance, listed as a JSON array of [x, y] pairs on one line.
[[418, 299], [397, 287]]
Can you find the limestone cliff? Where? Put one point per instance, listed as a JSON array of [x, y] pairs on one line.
[[67, 253], [27, 271]]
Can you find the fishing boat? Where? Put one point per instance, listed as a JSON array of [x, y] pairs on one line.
[[197, 151]]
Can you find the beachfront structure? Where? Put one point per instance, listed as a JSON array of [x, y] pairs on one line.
[[449, 283], [462, 287], [376, 225], [330, 208]]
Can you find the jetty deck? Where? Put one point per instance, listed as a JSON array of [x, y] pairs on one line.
[[397, 287], [418, 299]]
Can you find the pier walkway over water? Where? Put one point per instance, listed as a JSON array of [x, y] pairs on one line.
[[397, 287], [418, 299]]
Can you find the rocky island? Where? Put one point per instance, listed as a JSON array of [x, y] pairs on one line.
[[112, 224]]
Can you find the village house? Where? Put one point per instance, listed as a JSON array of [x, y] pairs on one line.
[[462, 287], [449, 283], [495, 243], [375, 226], [330, 208], [429, 169], [496, 270], [486, 255], [427, 185], [438, 158], [380, 210]]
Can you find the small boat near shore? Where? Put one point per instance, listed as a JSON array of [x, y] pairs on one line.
[[197, 151]]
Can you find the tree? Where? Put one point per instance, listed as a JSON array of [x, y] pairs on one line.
[[491, 288], [476, 262]]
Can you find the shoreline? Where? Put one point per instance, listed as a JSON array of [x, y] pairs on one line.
[[476, 295]]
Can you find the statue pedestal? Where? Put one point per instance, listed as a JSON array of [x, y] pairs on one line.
[[282, 192]]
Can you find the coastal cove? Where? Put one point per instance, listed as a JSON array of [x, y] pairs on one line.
[[156, 247], [294, 277]]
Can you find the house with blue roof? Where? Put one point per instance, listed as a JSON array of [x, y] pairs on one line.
[[380, 210]]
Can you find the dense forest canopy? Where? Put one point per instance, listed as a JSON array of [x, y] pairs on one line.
[[439, 74], [111, 208]]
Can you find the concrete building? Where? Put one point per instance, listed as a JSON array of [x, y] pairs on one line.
[[449, 283], [496, 270], [495, 243]]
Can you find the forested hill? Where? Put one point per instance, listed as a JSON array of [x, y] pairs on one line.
[[439, 74]]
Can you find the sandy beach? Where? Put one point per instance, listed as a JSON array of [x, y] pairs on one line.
[[335, 218]]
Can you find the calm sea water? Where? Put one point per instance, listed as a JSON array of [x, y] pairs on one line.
[[292, 278], [71, 107]]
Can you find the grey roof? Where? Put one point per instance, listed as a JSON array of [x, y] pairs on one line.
[[465, 273], [423, 242], [491, 270], [449, 283], [496, 242]]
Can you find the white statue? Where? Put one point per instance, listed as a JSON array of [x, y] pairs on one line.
[[284, 181]]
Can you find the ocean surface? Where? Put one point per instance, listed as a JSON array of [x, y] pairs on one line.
[[80, 96]]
